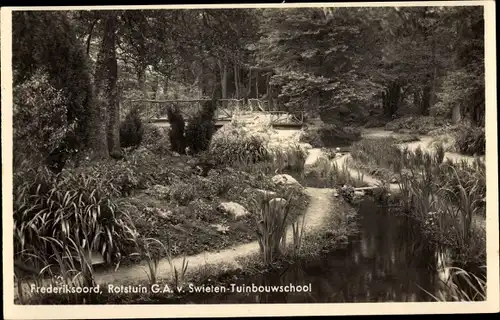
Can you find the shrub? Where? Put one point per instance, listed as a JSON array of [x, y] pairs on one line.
[[40, 121], [471, 140], [156, 139], [288, 158], [47, 41], [131, 129], [330, 135], [312, 137], [417, 124], [235, 145], [374, 122], [176, 134], [200, 128]]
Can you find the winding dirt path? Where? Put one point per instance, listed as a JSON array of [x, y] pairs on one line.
[[318, 210]]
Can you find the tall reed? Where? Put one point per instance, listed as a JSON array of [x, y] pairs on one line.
[[272, 227]]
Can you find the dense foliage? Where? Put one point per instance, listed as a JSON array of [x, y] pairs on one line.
[[200, 128], [52, 82], [177, 127], [131, 129]]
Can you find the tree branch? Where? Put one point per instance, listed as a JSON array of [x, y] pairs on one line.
[[90, 34]]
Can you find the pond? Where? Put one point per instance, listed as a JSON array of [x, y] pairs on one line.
[[388, 260]]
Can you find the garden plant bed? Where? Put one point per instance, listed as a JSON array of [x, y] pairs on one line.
[[331, 234]]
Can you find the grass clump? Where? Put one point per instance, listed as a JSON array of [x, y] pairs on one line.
[[326, 173], [470, 140], [68, 211], [462, 285], [415, 124], [233, 144]]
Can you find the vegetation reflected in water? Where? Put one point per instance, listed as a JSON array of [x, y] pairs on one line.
[[389, 260]]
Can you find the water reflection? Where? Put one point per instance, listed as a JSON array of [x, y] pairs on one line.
[[389, 260]]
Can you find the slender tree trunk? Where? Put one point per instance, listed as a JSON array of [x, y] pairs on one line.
[[426, 99], [237, 81], [434, 75], [97, 141], [223, 72], [257, 85], [391, 99], [249, 82], [141, 79], [106, 88]]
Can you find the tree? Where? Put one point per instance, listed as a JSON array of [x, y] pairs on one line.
[[47, 41], [322, 58], [106, 85]]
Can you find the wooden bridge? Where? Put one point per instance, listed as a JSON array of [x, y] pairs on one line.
[[155, 111]]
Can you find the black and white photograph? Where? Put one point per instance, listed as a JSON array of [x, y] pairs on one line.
[[250, 156]]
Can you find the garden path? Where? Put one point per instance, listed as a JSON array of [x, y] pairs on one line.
[[319, 208]]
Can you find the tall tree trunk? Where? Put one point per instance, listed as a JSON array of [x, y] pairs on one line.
[[223, 78], [426, 99], [141, 79], [106, 78], [257, 84], [391, 99], [237, 81], [433, 76], [249, 82]]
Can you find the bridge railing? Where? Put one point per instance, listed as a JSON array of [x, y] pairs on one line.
[[226, 108], [287, 117]]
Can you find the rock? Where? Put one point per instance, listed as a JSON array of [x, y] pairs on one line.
[[165, 214], [220, 228], [285, 179], [159, 191], [234, 209], [175, 154]]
